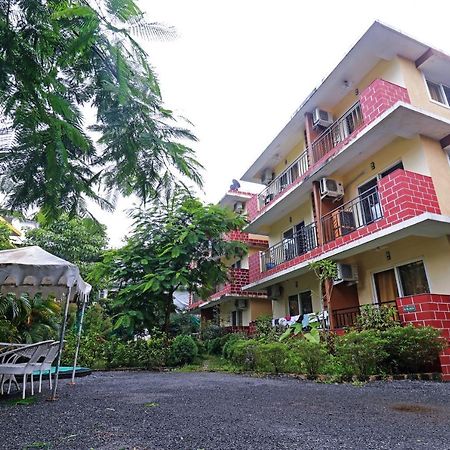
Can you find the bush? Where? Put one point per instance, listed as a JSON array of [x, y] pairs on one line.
[[183, 350], [243, 353], [311, 358], [211, 331], [214, 346], [271, 357], [231, 340], [412, 349], [361, 353], [373, 318]]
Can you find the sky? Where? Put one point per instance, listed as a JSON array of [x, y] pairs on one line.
[[239, 69]]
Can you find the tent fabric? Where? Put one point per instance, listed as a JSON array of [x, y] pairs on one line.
[[37, 268]]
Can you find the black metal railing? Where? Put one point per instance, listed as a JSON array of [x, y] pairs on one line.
[[354, 214], [304, 240], [346, 317], [337, 132], [288, 176]]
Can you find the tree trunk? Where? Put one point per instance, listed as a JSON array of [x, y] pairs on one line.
[[169, 303]]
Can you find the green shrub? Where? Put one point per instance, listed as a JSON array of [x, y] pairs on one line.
[[183, 350], [211, 331], [361, 353], [214, 346], [311, 357], [377, 318], [231, 340], [271, 357], [243, 353], [412, 349]]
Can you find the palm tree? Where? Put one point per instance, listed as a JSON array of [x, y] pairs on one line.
[[59, 57]]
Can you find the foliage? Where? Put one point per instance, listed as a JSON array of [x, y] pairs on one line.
[[312, 356], [265, 330], [5, 234], [183, 323], [271, 357], [210, 331], [183, 350], [325, 269], [243, 353], [373, 318], [227, 348], [59, 56], [28, 319], [78, 240], [176, 244], [361, 353], [412, 349]]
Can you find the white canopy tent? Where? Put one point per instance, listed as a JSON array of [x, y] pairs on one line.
[[33, 270]]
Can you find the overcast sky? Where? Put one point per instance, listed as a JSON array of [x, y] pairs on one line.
[[239, 69]]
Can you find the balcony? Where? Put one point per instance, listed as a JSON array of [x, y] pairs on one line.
[[374, 101], [346, 317], [403, 203], [302, 242]]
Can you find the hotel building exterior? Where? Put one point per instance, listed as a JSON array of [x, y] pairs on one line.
[[360, 175]]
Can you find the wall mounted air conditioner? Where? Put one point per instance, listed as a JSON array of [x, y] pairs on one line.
[[331, 188], [267, 176], [322, 118], [274, 292], [238, 207], [241, 303], [346, 272]]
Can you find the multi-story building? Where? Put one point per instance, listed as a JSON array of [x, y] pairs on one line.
[[229, 306], [361, 175]]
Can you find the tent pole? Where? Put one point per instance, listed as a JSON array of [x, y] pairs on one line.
[[80, 329], [61, 343]]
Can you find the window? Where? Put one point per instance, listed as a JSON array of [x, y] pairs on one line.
[[300, 303], [236, 318], [237, 264], [439, 93], [413, 279]]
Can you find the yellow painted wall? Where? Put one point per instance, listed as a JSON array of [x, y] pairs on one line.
[[287, 160], [439, 168], [387, 70], [418, 91], [410, 151], [307, 282], [302, 213], [435, 252], [259, 308]]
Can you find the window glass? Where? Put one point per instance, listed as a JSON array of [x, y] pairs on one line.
[[294, 310], [413, 279], [435, 92], [447, 94], [306, 302]]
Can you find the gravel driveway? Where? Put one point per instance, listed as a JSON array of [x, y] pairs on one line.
[[212, 411]]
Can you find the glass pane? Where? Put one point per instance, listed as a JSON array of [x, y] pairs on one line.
[[447, 94], [293, 305], [413, 278], [306, 302], [435, 92]]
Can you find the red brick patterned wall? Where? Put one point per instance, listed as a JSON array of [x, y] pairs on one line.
[[252, 207], [379, 96], [430, 310]]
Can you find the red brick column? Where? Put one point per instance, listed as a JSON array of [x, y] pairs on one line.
[[252, 207], [379, 96], [429, 310]]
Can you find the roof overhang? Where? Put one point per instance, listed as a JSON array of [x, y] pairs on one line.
[[427, 225], [231, 197], [435, 65], [401, 120], [379, 42]]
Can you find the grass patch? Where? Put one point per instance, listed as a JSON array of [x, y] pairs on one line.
[[36, 445], [151, 404], [23, 402], [406, 407], [211, 363]]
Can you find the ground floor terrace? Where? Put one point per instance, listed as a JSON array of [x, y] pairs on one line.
[[214, 411]]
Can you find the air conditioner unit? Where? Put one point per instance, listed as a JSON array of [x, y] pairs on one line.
[[322, 118], [331, 188], [274, 292], [238, 207], [346, 272], [267, 176], [241, 303]]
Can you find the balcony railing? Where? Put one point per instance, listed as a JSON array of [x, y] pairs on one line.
[[346, 317], [354, 214], [301, 242], [288, 176], [337, 132]]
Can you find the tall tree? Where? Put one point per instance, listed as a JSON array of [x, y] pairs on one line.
[[58, 57], [176, 243]]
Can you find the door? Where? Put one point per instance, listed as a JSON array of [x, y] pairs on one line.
[[386, 286], [370, 208]]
